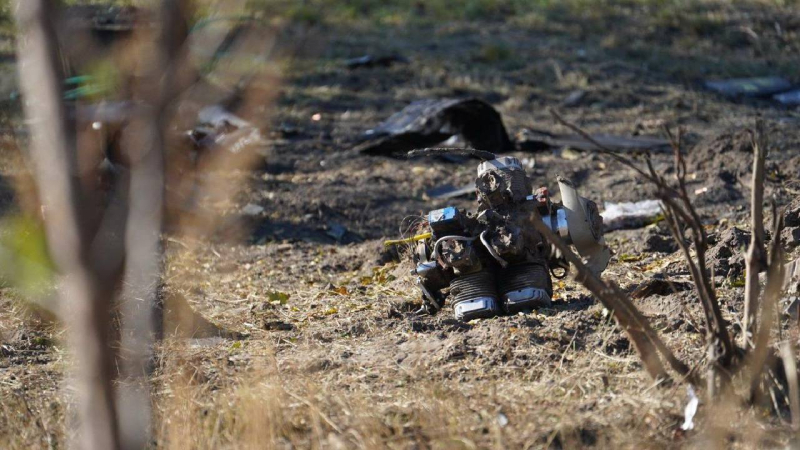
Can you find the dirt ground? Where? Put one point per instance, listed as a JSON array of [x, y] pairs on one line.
[[331, 355]]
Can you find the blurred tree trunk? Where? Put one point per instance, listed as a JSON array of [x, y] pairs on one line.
[[85, 292]]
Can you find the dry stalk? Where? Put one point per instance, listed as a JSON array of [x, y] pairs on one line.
[[759, 355], [756, 256], [646, 341]]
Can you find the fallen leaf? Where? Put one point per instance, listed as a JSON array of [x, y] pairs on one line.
[[277, 297]]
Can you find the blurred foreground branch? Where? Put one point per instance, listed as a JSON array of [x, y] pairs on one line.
[[144, 141], [85, 293]]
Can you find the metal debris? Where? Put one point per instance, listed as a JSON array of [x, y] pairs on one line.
[[749, 87], [375, 61], [425, 123], [492, 259], [223, 129], [533, 140]]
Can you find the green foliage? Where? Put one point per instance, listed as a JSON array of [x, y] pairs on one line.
[[277, 297], [24, 260]]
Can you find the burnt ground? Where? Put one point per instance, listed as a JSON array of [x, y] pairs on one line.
[[333, 356]]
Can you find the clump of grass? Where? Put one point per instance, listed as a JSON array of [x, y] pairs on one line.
[[495, 52]]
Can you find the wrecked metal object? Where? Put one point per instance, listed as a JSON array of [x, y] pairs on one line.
[[492, 259], [584, 227], [106, 23], [223, 129], [749, 87], [424, 123], [374, 61], [630, 215], [537, 140]]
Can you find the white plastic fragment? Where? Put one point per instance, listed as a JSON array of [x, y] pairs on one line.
[[690, 410], [629, 214], [502, 420]]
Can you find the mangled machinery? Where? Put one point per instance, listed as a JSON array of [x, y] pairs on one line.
[[492, 261]]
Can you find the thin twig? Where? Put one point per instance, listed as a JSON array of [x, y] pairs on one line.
[[600, 147]]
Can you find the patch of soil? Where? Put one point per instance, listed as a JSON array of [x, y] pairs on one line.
[[726, 257]]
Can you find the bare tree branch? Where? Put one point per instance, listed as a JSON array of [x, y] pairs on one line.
[[678, 212], [144, 141]]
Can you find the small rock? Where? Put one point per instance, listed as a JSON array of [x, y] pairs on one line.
[[278, 325], [790, 237], [726, 256], [502, 420], [656, 238], [574, 98], [336, 231], [792, 215], [658, 286], [252, 209]]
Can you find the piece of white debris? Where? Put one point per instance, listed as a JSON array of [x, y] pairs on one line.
[[502, 420], [252, 209], [690, 410], [630, 214]]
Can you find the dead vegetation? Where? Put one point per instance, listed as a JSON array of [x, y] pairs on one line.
[[723, 360]]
